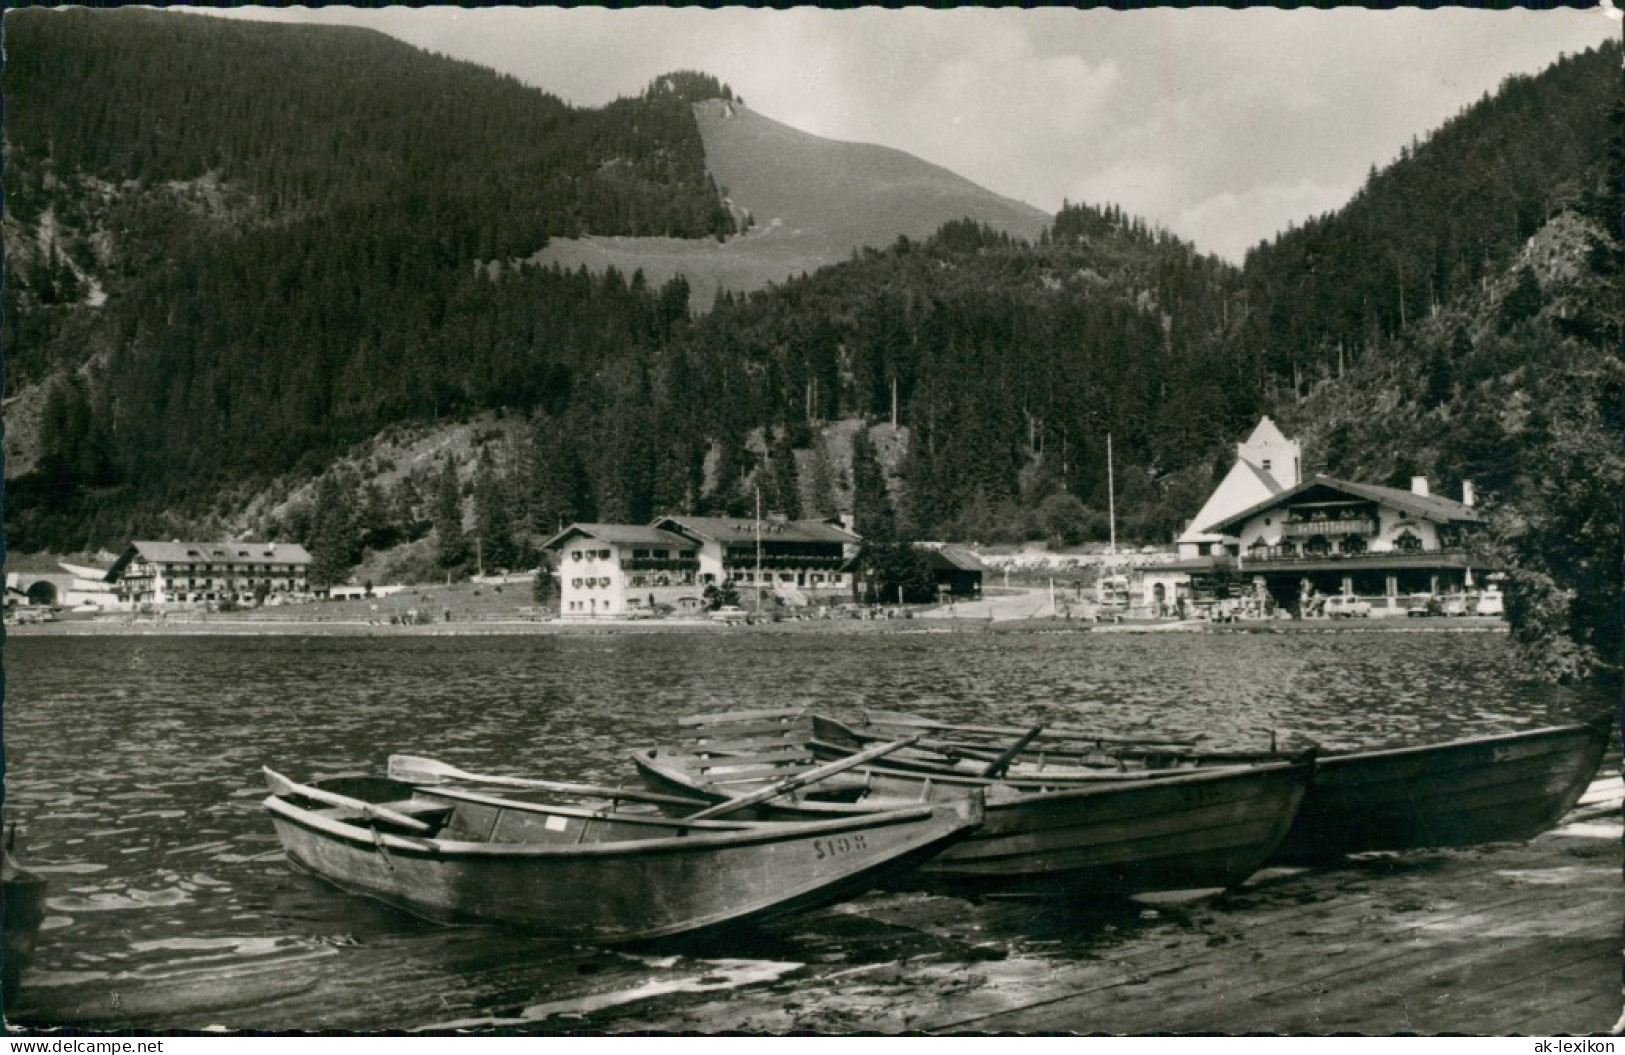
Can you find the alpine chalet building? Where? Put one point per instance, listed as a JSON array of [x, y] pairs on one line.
[[625, 570], [797, 560], [1264, 532], [622, 570], [163, 573]]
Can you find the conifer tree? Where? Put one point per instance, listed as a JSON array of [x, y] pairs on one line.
[[493, 527], [1523, 302], [782, 490], [822, 483], [872, 510], [332, 533], [560, 493], [451, 544]]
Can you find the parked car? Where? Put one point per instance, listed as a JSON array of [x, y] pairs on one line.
[[1341, 607], [1490, 603], [730, 613], [1454, 604]]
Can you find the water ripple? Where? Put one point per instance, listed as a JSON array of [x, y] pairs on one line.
[[134, 763]]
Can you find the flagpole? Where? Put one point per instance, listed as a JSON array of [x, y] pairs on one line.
[[1111, 494]]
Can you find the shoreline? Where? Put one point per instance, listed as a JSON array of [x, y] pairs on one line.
[[222, 627]]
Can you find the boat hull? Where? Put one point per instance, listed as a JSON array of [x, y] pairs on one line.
[[1197, 830], [657, 887], [1491, 789], [22, 909]]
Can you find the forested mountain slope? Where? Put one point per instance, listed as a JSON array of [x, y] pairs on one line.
[[1439, 222], [253, 244], [846, 194], [805, 202]]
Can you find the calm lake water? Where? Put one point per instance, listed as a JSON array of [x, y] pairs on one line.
[[135, 781]]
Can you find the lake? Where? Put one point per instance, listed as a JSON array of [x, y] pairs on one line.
[[134, 778]]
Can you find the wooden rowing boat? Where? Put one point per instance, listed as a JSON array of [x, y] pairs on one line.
[[744, 747], [1209, 828], [1503, 788], [1050, 752], [1028, 756], [1129, 834], [22, 909], [739, 749], [1499, 788], [1191, 830], [580, 873], [1051, 733]]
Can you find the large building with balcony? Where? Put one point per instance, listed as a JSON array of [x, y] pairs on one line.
[[796, 561], [168, 573], [627, 570], [1297, 543], [622, 570]]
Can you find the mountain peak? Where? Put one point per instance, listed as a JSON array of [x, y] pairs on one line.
[[689, 86]]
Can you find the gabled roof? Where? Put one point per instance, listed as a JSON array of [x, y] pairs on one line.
[[1270, 483], [621, 535], [83, 571], [955, 558], [744, 529], [1428, 507], [1265, 432], [1243, 480], [177, 552]]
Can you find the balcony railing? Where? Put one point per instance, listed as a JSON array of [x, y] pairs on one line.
[[774, 562], [1329, 528], [1272, 556], [683, 564]]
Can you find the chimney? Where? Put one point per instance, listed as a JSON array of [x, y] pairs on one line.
[[1468, 497], [1419, 486]]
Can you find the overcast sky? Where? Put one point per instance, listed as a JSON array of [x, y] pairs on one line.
[[1223, 126]]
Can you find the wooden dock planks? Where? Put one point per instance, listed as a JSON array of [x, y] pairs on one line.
[[1466, 947]]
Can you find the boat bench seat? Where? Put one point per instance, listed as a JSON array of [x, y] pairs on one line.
[[733, 770], [434, 814]]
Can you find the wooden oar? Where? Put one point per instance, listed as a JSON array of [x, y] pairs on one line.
[[1063, 732], [281, 785], [414, 769], [986, 752], [1000, 764], [801, 780]]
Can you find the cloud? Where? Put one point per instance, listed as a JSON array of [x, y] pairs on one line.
[[1142, 186], [1229, 223], [1005, 116]]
